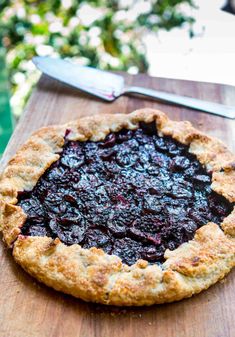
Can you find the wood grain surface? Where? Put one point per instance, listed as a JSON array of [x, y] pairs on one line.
[[30, 309]]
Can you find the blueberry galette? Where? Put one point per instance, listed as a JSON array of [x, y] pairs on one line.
[[121, 209]]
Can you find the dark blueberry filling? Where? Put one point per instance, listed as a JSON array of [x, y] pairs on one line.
[[134, 195]]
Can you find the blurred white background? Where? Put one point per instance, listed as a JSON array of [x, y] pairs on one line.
[[209, 56]]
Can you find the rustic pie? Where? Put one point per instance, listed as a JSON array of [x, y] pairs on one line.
[[121, 209]]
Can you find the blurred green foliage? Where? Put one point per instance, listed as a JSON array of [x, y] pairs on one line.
[[5, 116], [100, 33]]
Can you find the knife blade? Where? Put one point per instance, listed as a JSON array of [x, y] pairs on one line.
[[109, 86]]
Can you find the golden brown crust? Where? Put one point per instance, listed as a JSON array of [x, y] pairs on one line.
[[93, 275], [223, 183], [30, 162], [228, 225], [12, 218], [210, 151]]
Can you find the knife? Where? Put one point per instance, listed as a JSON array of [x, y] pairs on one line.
[[109, 86]]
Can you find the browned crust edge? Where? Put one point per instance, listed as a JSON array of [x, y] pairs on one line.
[[91, 274]]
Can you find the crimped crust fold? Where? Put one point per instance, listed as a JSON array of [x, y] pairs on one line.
[[93, 275]]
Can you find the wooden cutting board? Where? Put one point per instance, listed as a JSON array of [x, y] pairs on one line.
[[30, 309]]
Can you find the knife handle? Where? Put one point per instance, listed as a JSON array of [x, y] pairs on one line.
[[193, 103]]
